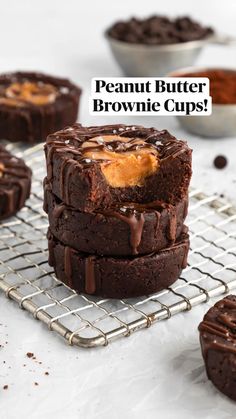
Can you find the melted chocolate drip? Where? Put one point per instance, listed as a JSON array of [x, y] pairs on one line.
[[218, 329], [135, 221], [68, 265], [90, 282]]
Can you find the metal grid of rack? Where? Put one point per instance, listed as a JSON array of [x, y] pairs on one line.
[[87, 321]]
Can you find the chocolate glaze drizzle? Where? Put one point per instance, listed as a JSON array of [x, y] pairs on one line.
[[15, 182], [218, 329], [68, 142], [90, 282]]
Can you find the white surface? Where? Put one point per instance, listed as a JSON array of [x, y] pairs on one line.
[[157, 372]]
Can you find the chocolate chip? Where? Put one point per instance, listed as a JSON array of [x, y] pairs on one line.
[[5, 387], [159, 30], [220, 162], [30, 354]]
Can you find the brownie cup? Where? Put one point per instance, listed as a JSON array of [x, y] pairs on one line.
[[125, 230], [98, 167], [32, 105], [218, 343], [15, 183], [114, 277]]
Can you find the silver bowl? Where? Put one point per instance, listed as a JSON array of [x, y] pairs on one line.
[[139, 60], [222, 121]]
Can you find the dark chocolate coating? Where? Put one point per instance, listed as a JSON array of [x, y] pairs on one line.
[[32, 123], [218, 343], [118, 277], [121, 231], [79, 182], [15, 183]]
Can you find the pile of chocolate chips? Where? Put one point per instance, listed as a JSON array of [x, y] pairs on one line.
[[159, 30]]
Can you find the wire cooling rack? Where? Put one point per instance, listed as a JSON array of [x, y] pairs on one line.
[[87, 321]]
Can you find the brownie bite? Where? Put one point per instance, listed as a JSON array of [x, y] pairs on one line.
[[111, 277], [32, 105], [218, 343], [15, 183], [123, 230], [91, 168]]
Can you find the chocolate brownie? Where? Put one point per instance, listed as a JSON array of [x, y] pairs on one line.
[[15, 183], [115, 277], [218, 343], [124, 230], [32, 105], [159, 30], [91, 168]]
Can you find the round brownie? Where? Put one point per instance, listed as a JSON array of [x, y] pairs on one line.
[[15, 183], [218, 343], [33, 105], [118, 277], [91, 168], [125, 230]]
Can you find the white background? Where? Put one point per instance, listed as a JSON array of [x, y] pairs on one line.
[[157, 372]]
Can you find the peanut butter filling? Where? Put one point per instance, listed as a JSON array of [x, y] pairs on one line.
[[36, 93], [1, 170], [127, 161]]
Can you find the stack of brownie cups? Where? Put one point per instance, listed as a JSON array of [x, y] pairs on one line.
[[117, 197]]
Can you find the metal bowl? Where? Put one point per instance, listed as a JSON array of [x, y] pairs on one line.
[[140, 60], [222, 121]]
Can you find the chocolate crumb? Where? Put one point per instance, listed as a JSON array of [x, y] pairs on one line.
[[30, 354], [46, 373], [5, 387], [36, 384], [220, 162]]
